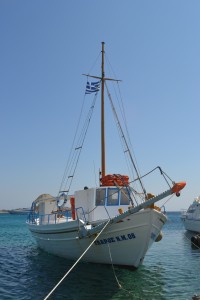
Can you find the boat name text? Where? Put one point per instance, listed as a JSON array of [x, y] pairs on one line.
[[119, 238]]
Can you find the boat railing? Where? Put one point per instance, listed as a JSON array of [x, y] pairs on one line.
[[56, 217], [45, 219]]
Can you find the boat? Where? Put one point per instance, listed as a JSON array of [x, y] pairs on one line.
[[19, 211], [191, 216], [114, 222]]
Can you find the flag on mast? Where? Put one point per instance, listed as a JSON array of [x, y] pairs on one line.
[[92, 87]]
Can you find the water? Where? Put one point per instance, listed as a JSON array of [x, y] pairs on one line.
[[170, 269]]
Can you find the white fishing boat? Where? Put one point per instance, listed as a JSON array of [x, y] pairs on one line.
[[112, 223], [191, 217]]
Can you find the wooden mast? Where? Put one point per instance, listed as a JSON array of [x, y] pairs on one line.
[[103, 167], [103, 79]]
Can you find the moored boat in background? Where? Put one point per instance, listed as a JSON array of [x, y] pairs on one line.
[[19, 211], [191, 217]]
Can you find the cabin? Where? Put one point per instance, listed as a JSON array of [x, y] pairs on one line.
[[94, 204]]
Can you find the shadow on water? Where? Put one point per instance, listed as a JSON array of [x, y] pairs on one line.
[[86, 281], [89, 281]]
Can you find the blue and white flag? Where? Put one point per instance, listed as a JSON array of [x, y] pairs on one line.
[[92, 87]]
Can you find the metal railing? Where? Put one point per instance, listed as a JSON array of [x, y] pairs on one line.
[[55, 218]]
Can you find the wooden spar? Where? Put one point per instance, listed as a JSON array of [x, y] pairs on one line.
[[103, 167]]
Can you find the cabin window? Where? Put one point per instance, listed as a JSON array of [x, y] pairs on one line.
[[113, 197], [100, 197], [125, 198]]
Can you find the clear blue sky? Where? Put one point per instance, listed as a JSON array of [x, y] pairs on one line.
[[46, 45]]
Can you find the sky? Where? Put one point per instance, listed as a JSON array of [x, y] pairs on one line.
[[47, 45]]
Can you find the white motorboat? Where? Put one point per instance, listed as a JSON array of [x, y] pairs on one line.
[[113, 223], [191, 217], [20, 211]]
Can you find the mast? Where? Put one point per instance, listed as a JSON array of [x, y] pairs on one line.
[[103, 171], [103, 79]]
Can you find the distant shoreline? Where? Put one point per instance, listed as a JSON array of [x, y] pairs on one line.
[[7, 211]]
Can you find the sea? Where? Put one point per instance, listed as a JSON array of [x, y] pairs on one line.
[[171, 269]]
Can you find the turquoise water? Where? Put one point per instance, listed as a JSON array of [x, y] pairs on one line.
[[171, 269]]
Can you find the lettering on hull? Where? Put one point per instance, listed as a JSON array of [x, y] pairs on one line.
[[119, 238]]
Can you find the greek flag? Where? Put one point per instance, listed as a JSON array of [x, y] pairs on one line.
[[92, 87]]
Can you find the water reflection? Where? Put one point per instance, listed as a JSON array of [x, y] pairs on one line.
[[86, 281]]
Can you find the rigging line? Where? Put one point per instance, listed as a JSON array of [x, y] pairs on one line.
[[122, 109], [162, 173], [107, 212], [166, 175], [117, 119], [128, 189], [123, 113], [167, 201], [76, 131], [129, 167], [128, 164], [95, 178], [76, 261], [122, 192], [94, 63], [121, 106], [126, 127], [130, 170], [83, 136]]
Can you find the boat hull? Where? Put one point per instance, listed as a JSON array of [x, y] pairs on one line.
[[124, 243], [191, 224]]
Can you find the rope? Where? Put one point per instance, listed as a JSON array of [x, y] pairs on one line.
[[76, 262], [167, 201], [72, 146], [119, 98], [162, 173], [119, 284], [126, 147], [79, 140]]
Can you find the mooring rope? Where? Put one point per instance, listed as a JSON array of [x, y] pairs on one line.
[[76, 262], [118, 283]]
